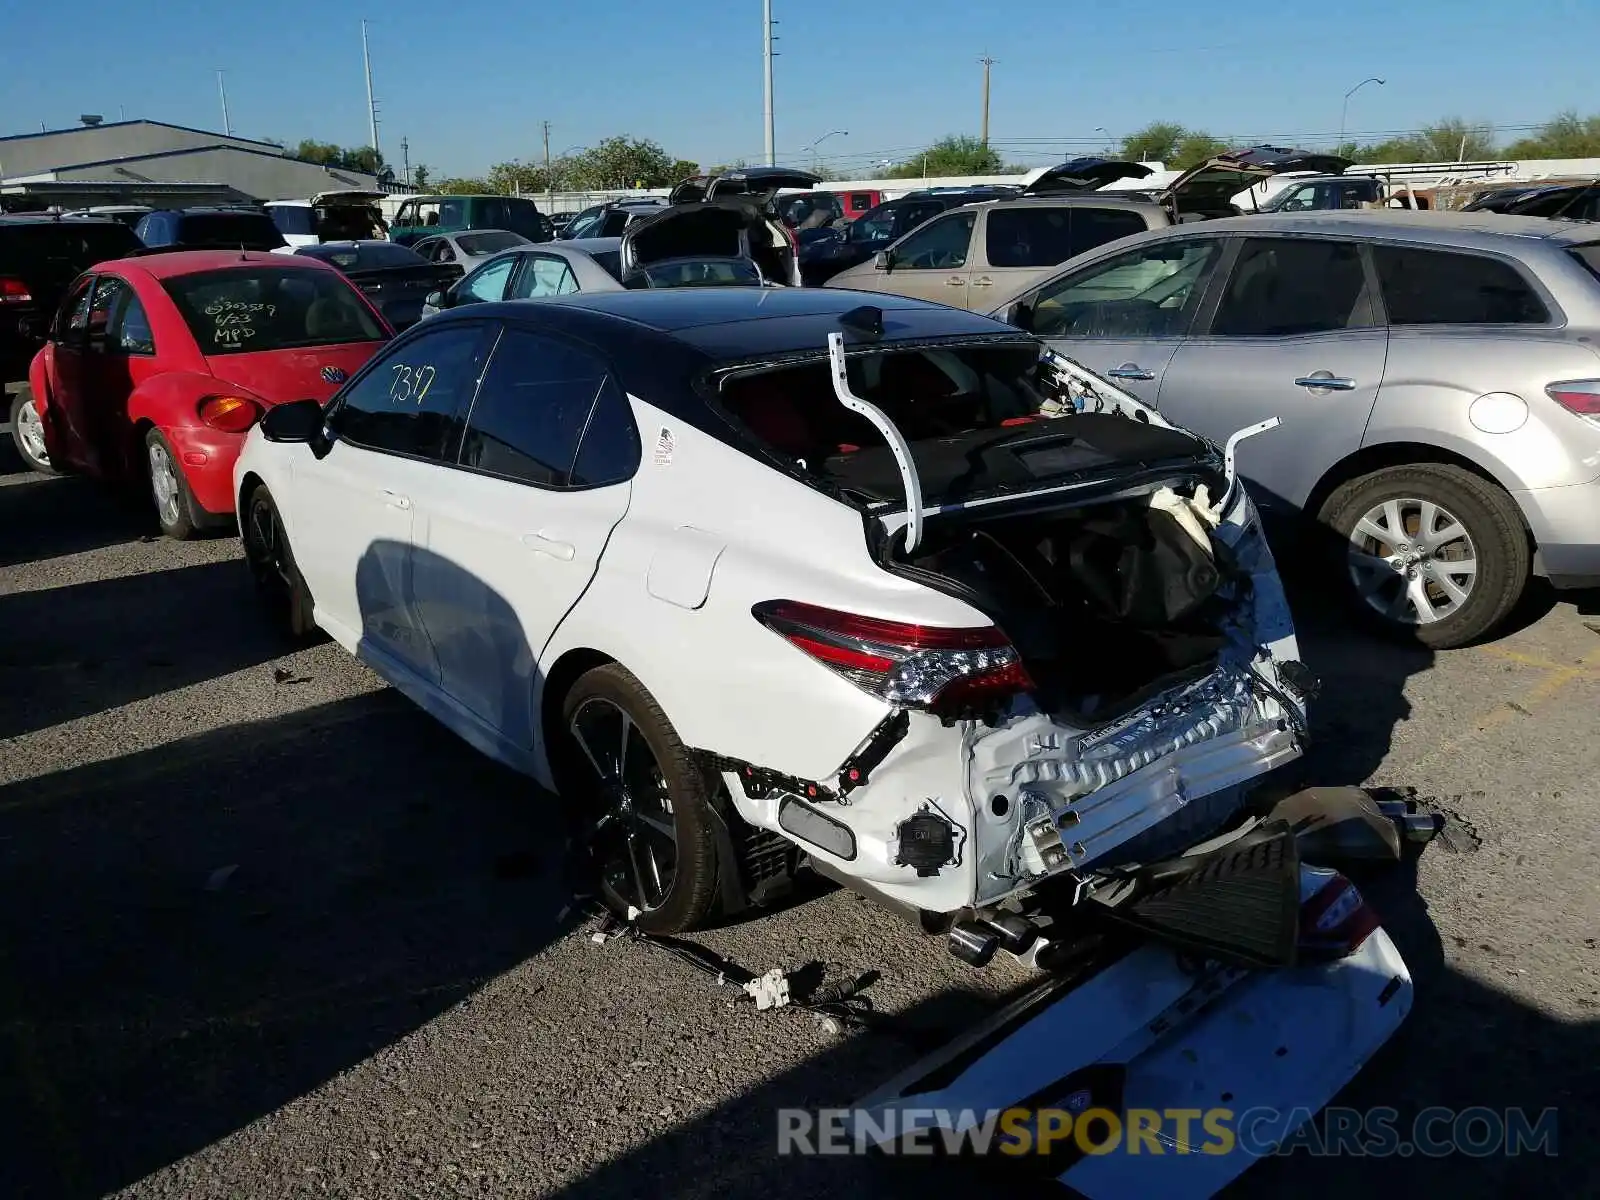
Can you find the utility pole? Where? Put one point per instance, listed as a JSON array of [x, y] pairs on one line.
[[549, 182], [372, 105], [987, 63], [766, 69], [227, 127], [405, 158]]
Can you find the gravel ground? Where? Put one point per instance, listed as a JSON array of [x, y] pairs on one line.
[[269, 931]]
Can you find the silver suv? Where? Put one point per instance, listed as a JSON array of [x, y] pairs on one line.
[[1437, 375]]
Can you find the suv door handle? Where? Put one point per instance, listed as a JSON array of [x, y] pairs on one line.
[[1326, 381], [1130, 371], [539, 544], [957, 280], [396, 500], [983, 281]]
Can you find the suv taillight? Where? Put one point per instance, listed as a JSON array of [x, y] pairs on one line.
[[1334, 917], [1578, 396], [14, 291], [944, 670]]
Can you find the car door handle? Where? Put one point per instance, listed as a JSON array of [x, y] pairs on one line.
[[1130, 371], [539, 544], [1326, 381], [957, 280], [396, 500], [983, 281]]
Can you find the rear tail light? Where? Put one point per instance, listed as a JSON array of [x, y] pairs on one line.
[[14, 291], [231, 414], [1334, 917], [1579, 396], [941, 669]]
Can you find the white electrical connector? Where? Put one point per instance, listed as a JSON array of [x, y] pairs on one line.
[[770, 990]]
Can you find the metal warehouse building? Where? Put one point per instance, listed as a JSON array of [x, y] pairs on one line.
[[150, 162]]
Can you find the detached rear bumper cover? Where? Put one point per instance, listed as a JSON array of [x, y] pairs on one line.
[[1269, 1047]]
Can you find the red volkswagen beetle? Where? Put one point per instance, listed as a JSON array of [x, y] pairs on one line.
[[157, 367]]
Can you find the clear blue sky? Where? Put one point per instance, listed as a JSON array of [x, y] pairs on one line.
[[469, 81]]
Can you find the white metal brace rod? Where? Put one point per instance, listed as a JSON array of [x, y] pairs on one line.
[[897, 442], [1233, 445]]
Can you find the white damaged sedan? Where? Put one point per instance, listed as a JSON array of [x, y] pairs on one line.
[[766, 580]]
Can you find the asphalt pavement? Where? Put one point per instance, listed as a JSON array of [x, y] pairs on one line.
[[267, 930]]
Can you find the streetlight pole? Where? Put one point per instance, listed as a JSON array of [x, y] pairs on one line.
[[766, 76], [1345, 110], [816, 159], [987, 63]]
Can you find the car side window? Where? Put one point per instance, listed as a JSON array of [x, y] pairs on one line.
[[531, 412], [544, 275], [1441, 287], [1028, 236], [73, 316], [488, 282], [410, 400], [1286, 286], [1094, 227], [127, 329], [940, 245], [1149, 292]]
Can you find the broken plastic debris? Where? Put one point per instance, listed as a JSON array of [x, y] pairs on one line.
[[599, 939], [219, 878], [770, 990], [633, 913]]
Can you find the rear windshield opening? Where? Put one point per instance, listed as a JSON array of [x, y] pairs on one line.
[[246, 310], [1589, 256], [977, 418]]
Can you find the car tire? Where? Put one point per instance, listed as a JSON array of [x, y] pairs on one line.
[[1465, 605], [271, 561], [177, 513], [622, 816], [27, 432]]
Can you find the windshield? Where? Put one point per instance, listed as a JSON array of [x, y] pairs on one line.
[[491, 242], [69, 245], [294, 220], [369, 256], [251, 231], [977, 417], [250, 309], [696, 272]]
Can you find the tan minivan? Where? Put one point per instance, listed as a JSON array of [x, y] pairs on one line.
[[971, 254]]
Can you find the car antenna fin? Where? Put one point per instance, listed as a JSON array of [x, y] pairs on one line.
[[896, 440], [867, 319]]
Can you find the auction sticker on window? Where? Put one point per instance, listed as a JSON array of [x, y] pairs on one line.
[[663, 452]]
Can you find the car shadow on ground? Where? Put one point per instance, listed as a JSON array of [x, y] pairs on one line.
[[44, 517], [194, 936], [88, 647]]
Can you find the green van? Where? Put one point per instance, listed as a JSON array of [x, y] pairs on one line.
[[425, 216]]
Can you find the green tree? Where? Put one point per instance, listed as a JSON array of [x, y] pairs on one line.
[[1193, 148], [1566, 136], [1156, 142], [462, 187], [620, 162], [1449, 140], [325, 153], [951, 156], [361, 158], [682, 169], [517, 176], [419, 175]]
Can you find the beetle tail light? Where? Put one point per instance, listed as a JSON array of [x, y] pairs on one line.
[[231, 414], [944, 670]]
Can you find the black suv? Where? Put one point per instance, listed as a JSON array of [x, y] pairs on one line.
[[875, 229], [39, 257], [210, 229]]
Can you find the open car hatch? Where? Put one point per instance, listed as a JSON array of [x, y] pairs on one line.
[[353, 197], [1206, 188], [1083, 175]]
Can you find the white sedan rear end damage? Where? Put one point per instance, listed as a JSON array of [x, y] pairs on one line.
[[1140, 675]]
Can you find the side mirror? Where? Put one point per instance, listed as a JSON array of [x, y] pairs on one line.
[[883, 260], [1020, 314], [296, 421], [439, 300]]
